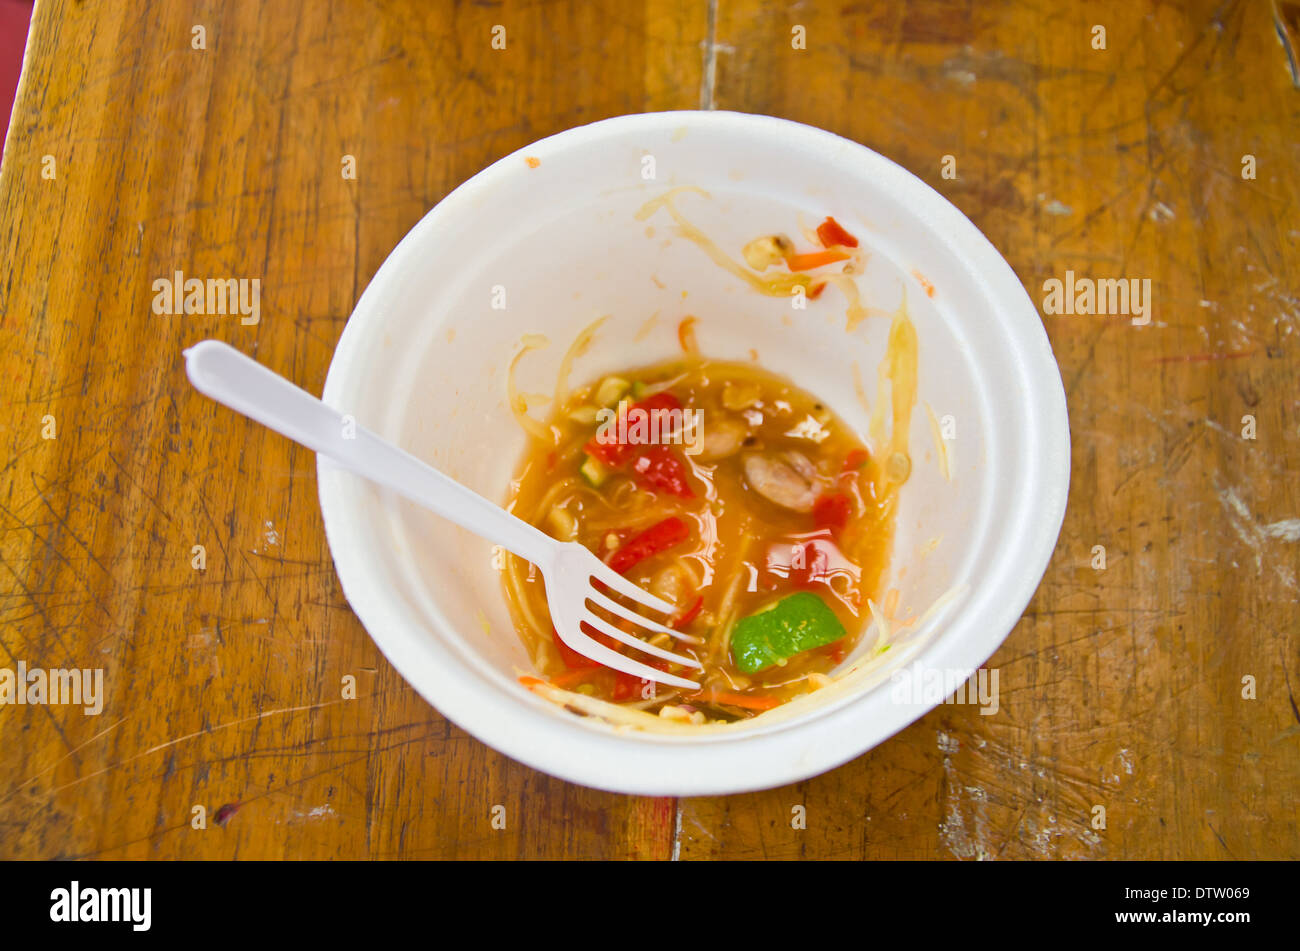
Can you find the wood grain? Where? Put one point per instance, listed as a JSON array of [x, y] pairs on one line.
[[1120, 688]]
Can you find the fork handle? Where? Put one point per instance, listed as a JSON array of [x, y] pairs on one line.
[[232, 379]]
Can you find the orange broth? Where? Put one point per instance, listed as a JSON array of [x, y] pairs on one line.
[[768, 493]]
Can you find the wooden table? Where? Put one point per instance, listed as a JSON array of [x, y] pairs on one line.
[[133, 154]]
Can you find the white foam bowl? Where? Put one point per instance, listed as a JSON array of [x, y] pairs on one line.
[[423, 362]]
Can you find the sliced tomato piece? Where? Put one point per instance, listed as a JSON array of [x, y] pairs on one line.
[[572, 659], [615, 453], [659, 468], [626, 687]]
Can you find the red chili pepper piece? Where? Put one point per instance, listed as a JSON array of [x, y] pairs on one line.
[[832, 510], [856, 459], [831, 233], [689, 615], [657, 538], [659, 468]]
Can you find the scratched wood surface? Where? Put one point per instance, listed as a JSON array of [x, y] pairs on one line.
[[1120, 688]]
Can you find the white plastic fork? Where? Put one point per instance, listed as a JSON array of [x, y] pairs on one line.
[[568, 569]]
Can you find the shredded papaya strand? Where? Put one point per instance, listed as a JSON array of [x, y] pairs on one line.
[[654, 389], [882, 625], [897, 380], [644, 330], [940, 444], [616, 714], [856, 313], [518, 401], [579, 346], [778, 285], [808, 231], [859, 388], [901, 354], [720, 636], [686, 335], [534, 632]]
